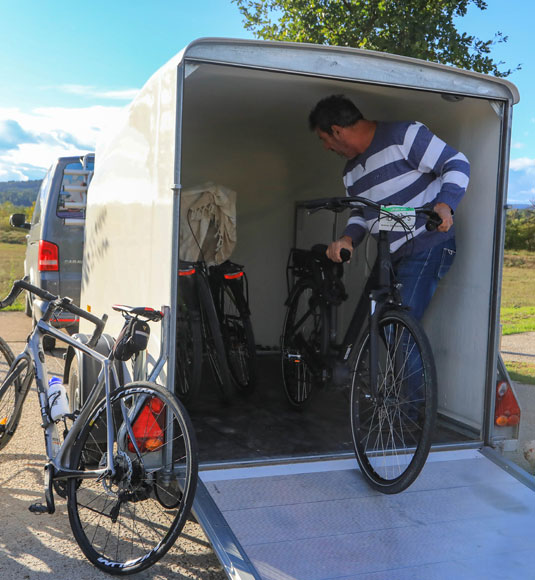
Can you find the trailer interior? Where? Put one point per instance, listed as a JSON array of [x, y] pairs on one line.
[[248, 130]]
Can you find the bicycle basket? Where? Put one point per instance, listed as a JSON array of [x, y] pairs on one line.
[[133, 338]]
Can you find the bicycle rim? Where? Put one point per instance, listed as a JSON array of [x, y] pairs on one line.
[[11, 396], [239, 342], [392, 432], [303, 330], [127, 522], [188, 355]]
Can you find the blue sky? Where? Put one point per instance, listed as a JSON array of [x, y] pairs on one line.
[[66, 67]]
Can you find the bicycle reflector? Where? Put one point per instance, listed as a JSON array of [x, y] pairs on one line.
[[233, 276], [149, 427], [47, 257], [507, 411], [186, 272]]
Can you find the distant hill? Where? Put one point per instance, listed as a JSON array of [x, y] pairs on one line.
[[19, 192]]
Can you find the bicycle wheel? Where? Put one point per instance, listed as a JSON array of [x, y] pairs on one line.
[[188, 361], [11, 393], [303, 339], [213, 340], [392, 430], [238, 339], [6, 359], [126, 522]]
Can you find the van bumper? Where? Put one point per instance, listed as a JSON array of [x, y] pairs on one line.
[[63, 319]]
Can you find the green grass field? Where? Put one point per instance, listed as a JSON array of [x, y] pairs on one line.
[[518, 293], [11, 268]]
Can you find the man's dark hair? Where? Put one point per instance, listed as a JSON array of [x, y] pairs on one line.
[[333, 110]]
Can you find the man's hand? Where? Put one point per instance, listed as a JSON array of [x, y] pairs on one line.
[[333, 251], [444, 211]]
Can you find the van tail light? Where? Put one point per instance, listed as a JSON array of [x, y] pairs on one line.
[[47, 257], [507, 411], [148, 428]]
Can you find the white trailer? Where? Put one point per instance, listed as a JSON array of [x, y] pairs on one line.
[[234, 112]]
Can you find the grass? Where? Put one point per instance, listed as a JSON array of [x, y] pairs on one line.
[[11, 268], [521, 372], [518, 293]]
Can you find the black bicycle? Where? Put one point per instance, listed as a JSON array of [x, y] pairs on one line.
[[214, 320], [385, 356]]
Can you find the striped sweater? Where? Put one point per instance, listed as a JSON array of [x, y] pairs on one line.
[[405, 164]]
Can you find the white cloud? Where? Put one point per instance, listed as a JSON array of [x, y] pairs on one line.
[[47, 133], [522, 164], [95, 93]]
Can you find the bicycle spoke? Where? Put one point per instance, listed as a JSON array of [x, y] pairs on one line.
[[392, 423], [128, 520]]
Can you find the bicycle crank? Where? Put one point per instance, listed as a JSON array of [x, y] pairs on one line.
[[49, 508]]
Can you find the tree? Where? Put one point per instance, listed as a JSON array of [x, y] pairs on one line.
[[520, 229], [419, 28]]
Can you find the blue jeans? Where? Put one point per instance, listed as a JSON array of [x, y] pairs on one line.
[[421, 273]]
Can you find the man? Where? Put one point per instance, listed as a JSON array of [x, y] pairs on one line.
[[396, 163]]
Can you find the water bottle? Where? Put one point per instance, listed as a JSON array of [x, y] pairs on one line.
[[58, 403]]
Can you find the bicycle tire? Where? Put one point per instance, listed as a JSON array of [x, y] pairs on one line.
[[238, 338], [188, 354], [11, 395], [304, 335], [126, 523], [392, 434], [213, 340]]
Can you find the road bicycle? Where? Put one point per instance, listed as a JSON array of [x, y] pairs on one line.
[[126, 461], [385, 356], [214, 319]]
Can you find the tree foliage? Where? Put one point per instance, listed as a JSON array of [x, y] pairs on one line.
[[520, 229], [419, 28]]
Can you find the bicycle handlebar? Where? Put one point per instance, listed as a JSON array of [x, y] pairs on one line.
[[340, 203], [63, 303]]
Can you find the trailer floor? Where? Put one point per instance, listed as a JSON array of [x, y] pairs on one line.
[[263, 426], [463, 518]]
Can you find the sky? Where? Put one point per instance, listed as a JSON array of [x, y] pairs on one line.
[[66, 68]]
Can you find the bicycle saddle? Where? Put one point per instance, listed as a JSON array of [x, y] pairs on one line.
[[145, 311]]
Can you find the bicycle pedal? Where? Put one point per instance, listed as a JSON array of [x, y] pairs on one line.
[[39, 508]]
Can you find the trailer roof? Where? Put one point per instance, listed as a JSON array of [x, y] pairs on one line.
[[351, 64]]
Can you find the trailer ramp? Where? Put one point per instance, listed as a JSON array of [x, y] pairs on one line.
[[464, 518]]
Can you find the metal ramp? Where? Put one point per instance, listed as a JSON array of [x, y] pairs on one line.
[[463, 518]]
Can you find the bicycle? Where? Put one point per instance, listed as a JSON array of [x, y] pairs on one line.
[[127, 462], [385, 355], [214, 318]]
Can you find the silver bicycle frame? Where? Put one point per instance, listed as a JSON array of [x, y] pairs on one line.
[[58, 460]]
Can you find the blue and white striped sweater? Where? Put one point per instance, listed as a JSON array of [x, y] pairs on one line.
[[405, 164]]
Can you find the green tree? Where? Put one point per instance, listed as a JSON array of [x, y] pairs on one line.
[[520, 229], [419, 28]]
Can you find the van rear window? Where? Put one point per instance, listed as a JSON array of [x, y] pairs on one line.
[[73, 194]]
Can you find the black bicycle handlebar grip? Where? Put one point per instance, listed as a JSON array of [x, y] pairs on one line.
[[99, 327], [433, 221], [11, 297], [318, 203], [345, 255]]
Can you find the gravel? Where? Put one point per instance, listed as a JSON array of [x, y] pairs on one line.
[[39, 547]]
